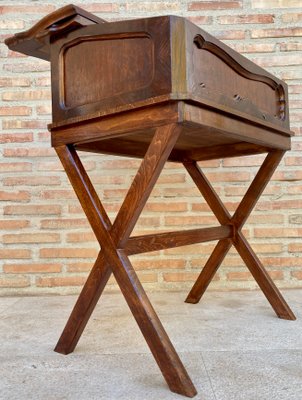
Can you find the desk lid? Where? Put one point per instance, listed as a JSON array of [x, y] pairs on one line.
[[36, 40]]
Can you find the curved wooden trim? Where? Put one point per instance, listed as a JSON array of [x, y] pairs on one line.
[[202, 43], [38, 35]]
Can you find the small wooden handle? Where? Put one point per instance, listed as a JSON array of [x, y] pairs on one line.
[[36, 40]]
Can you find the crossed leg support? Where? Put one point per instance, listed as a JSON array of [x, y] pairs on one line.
[[116, 245], [113, 258], [243, 211]]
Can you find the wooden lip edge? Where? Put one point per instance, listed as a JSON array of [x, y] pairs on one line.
[[183, 100], [56, 16]]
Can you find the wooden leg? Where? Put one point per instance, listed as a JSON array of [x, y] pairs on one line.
[[112, 240], [208, 271], [244, 209], [263, 279], [84, 306]]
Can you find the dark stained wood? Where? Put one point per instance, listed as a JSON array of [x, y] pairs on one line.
[[148, 322], [205, 188], [36, 40], [219, 151], [168, 240], [84, 306], [263, 279], [256, 188], [116, 126], [157, 154], [158, 89], [249, 257], [209, 270]]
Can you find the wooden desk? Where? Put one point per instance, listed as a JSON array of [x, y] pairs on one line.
[[158, 89]]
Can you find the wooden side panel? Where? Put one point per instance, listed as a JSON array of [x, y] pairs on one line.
[[105, 68], [219, 75]]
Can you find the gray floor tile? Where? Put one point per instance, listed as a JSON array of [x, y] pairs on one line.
[[248, 352], [255, 375]]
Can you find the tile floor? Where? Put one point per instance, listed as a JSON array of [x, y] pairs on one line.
[[232, 344]]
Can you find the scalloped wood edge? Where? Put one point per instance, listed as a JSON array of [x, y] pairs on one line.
[[204, 44]]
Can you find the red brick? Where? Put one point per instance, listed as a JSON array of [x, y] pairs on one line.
[[272, 33], [250, 161], [295, 247], [201, 20], [27, 9], [31, 238], [213, 5], [17, 110], [175, 178], [281, 262], [33, 209], [153, 6], [288, 175], [100, 7], [292, 17], [43, 81], [11, 224], [8, 82], [279, 205], [23, 124], [57, 194], [79, 267], [31, 268], [296, 274], [66, 223], [57, 166], [296, 46], [38, 66], [275, 61], [14, 196], [14, 253], [158, 264], [16, 137], [29, 152], [288, 74], [60, 281], [44, 110], [68, 253], [239, 276], [276, 4], [13, 282], [278, 232], [190, 220], [15, 167], [180, 276], [79, 237], [166, 207], [230, 34], [147, 277], [32, 181], [246, 19], [253, 47]]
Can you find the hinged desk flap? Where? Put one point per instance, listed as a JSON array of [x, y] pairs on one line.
[[36, 40]]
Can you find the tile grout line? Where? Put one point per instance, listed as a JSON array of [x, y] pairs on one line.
[[208, 375]]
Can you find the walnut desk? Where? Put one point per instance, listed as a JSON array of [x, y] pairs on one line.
[[160, 89]]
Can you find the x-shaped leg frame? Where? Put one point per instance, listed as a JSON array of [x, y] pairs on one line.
[[116, 245], [237, 221], [113, 257]]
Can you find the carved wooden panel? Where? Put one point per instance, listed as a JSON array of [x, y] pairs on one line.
[[97, 68], [220, 77]]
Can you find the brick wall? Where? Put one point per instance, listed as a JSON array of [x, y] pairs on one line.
[[46, 245]]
